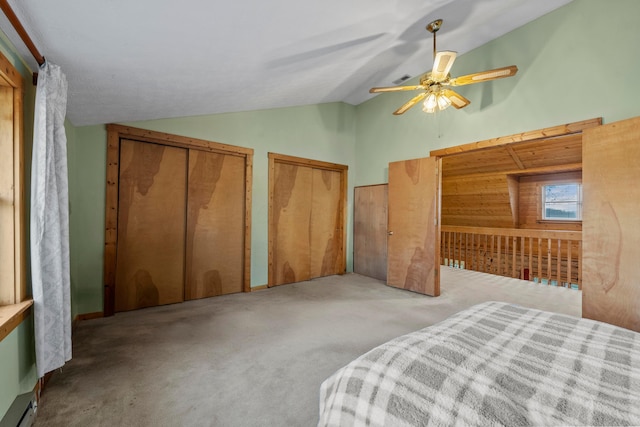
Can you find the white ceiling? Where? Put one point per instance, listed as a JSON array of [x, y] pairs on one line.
[[129, 60]]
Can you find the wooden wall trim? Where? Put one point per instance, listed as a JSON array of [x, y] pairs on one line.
[[271, 227], [369, 185], [550, 132], [315, 164], [247, 220], [111, 221], [117, 132]]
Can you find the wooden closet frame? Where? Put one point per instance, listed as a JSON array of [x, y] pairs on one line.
[[316, 164], [117, 132]]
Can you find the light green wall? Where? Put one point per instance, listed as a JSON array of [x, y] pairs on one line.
[[323, 132], [578, 62], [17, 355], [87, 171], [18, 370]]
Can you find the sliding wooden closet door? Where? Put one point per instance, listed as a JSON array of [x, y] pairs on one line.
[[151, 225], [306, 219], [291, 207], [326, 223], [215, 224], [414, 230]]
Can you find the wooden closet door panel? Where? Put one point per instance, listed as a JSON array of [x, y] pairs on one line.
[[215, 224], [414, 246], [151, 225], [291, 220], [610, 232], [326, 221], [370, 231]]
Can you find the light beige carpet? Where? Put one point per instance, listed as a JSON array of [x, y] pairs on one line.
[[252, 359]]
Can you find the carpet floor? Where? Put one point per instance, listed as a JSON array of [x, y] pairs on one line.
[[253, 359]]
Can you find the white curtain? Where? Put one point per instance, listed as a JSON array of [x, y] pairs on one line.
[[50, 223]]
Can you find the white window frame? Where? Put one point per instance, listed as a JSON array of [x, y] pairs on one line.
[[543, 202]]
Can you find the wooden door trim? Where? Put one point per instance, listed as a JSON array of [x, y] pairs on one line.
[[117, 132], [550, 132], [314, 164], [301, 161], [369, 185], [163, 138]]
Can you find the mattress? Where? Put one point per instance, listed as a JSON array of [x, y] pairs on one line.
[[492, 364]]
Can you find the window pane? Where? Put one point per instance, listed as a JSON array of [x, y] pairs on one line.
[[561, 210], [561, 193]]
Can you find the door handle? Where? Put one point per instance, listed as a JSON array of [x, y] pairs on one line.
[[390, 233]]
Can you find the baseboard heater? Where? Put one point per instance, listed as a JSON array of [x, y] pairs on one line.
[[22, 412]]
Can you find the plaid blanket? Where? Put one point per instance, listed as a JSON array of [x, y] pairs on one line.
[[492, 364]]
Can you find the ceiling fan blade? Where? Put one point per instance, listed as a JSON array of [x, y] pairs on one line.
[[457, 100], [442, 65], [485, 76], [411, 103], [395, 88]]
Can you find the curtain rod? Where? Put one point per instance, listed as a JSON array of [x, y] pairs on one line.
[[13, 19]]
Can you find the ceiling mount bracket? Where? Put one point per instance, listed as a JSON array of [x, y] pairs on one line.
[[434, 26]]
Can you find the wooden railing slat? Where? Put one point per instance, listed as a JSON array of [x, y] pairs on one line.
[[569, 261], [548, 261]]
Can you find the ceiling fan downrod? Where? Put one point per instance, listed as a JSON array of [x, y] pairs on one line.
[[433, 28]]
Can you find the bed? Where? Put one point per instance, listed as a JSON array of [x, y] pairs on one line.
[[492, 364]]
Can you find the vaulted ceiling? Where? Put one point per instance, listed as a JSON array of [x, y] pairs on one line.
[[135, 60]]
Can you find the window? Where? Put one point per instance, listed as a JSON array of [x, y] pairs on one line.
[[12, 244], [562, 202], [14, 304]]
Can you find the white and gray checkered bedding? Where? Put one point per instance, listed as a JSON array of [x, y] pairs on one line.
[[492, 364]]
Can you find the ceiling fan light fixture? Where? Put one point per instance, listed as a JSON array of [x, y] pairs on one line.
[[430, 103], [443, 102], [436, 101]]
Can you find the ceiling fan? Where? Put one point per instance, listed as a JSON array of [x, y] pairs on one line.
[[435, 83]]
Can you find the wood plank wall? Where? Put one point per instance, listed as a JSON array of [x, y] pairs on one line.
[[530, 200], [477, 201]]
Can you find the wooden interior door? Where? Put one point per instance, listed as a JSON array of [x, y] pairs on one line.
[[291, 218], [215, 224], [610, 232], [414, 229], [151, 225], [370, 231], [326, 223]]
